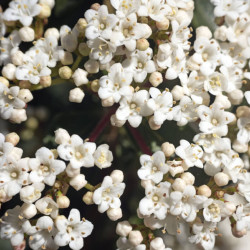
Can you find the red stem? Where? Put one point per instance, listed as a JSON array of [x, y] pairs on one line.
[[101, 125], [140, 141]]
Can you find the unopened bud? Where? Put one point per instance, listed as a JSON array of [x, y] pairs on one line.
[[45, 81], [27, 34], [18, 115], [156, 79], [179, 184], [238, 234], [61, 136], [135, 237], [114, 213], [78, 182], [152, 124], [4, 81], [241, 111], [157, 244], [9, 71], [67, 58], [88, 198], [177, 92], [65, 72], [108, 102], [168, 149], [117, 176], [25, 95], [240, 147], [123, 228], [63, 201], [28, 210], [76, 95], [25, 84], [17, 58], [236, 96], [163, 24], [13, 138], [83, 49], [52, 32], [95, 86], [203, 31], [142, 44], [223, 101], [95, 6], [81, 25], [80, 77], [204, 190], [115, 122], [92, 66], [188, 178], [45, 11], [221, 179]]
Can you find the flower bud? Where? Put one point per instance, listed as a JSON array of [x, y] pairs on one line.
[[13, 138], [45, 81], [152, 124], [83, 49], [182, 17], [9, 71], [80, 77], [65, 72], [156, 79], [18, 115], [240, 147], [236, 96], [95, 85], [221, 33], [142, 44], [221, 179], [135, 237], [229, 208], [63, 201], [238, 234], [27, 34], [25, 95], [61, 136], [123, 228], [50, 3], [28, 210], [204, 190], [78, 182], [76, 95], [108, 102], [145, 183], [168, 149], [163, 25], [66, 58], [81, 25], [223, 100], [92, 66], [24, 84], [115, 122], [157, 244], [117, 176], [179, 184], [17, 58], [241, 111], [52, 32], [188, 178], [88, 198], [203, 31], [72, 172], [45, 11], [177, 92], [95, 6], [4, 81], [114, 213]]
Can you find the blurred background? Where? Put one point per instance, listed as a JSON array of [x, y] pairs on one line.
[[51, 110]]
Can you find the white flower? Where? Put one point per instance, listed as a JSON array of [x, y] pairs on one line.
[[100, 23], [243, 135], [214, 119], [247, 95], [108, 195], [44, 168], [42, 237], [30, 194], [124, 244], [133, 107], [244, 185], [161, 103], [49, 46], [156, 201], [186, 203], [8, 46], [79, 153], [190, 153], [23, 11], [140, 63], [213, 210], [11, 226], [153, 167], [72, 230], [116, 83], [103, 156], [203, 234], [176, 167], [13, 175], [242, 217], [69, 38], [216, 84], [35, 66], [124, 8], [47, 206], [5, 149]]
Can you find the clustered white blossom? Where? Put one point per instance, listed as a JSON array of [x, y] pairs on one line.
[[29, 176], [136, 49]]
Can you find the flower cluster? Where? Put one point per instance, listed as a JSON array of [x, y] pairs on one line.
[[28, 177]]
